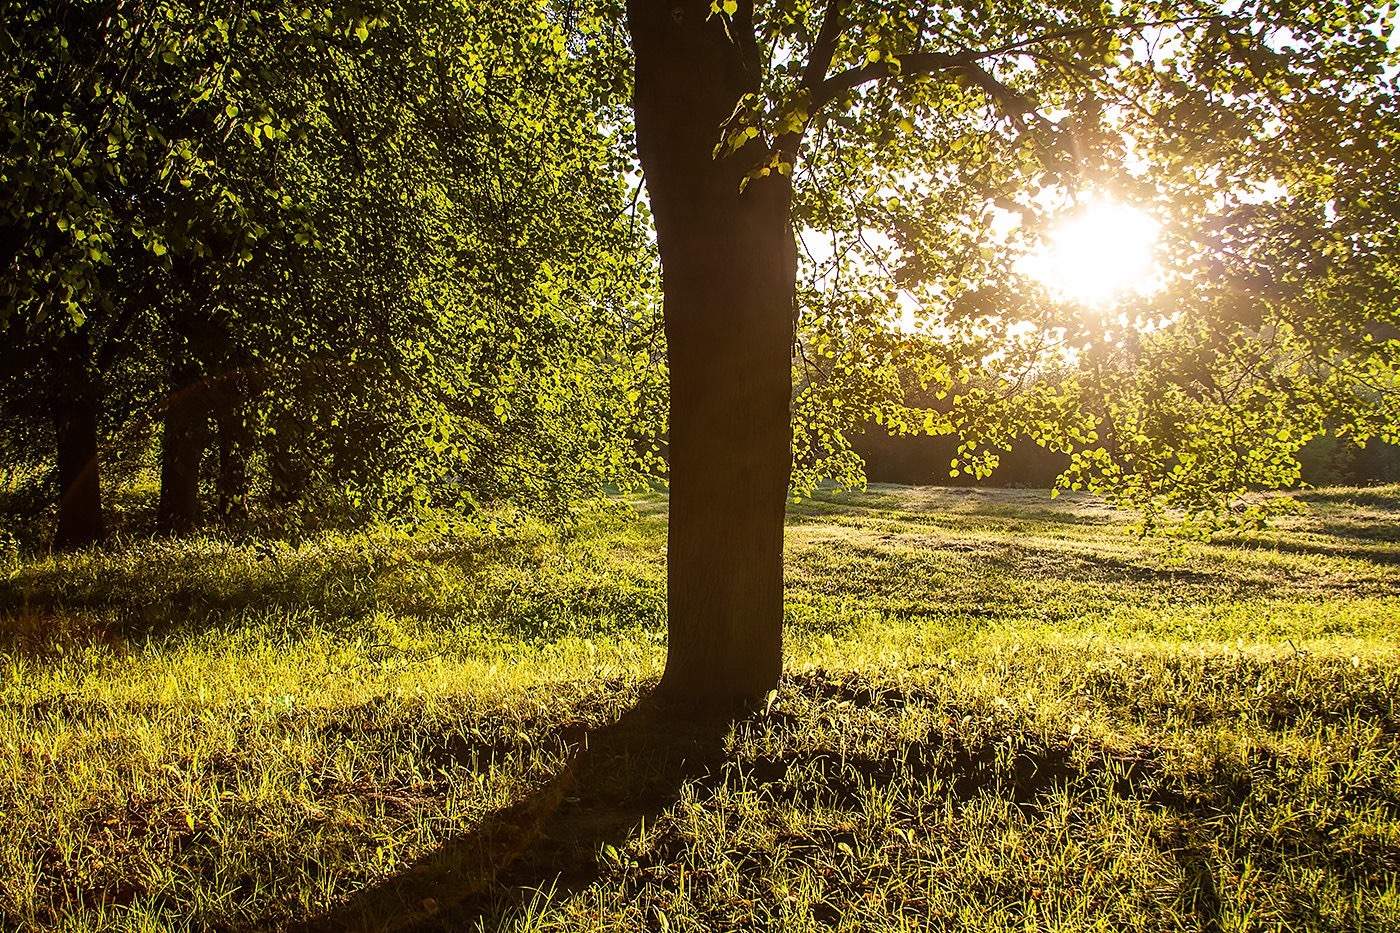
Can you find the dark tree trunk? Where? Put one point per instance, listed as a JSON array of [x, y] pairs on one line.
[[728, 265], [80, 498], [286, 466], [183, 441], [235, 446]]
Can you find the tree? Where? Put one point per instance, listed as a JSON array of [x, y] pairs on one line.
[[381, 260], [728, 283], [116, 176], [749, 116]]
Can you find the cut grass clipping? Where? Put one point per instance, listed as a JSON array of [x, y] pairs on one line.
[[1001, 713]]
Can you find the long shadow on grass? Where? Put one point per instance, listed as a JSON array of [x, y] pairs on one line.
[[951, 506], [1373, 548], [619, 776], [634, 769]]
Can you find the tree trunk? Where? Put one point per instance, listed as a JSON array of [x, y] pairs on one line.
[[288, 476], [728, 265], [235, 445], [80, 499], [183, 440]]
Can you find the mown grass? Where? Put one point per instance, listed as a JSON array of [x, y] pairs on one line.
[[1002, 712]]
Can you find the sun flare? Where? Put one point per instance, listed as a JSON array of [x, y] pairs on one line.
[[1100, 253]]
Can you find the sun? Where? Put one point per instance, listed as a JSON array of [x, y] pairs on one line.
[[1098, 254]]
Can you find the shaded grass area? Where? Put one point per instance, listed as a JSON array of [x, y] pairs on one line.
[[1002, 711]]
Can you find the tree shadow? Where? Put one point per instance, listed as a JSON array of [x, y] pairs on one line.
[[1375, 550], [945, 506], [636, 768], [617, 777]]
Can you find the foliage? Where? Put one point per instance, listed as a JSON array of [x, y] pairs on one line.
[[928, 148], [393, 248]]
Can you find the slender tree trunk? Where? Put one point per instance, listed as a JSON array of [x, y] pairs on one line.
[[235, 445], [80, 499], [183, 441], [728, 280], [286, 466]]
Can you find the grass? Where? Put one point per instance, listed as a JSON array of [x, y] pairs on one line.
[[1001, 712]]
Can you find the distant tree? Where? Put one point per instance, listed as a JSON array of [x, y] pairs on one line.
[[117, 191], [377, 259], [913, 121], [475, 318]]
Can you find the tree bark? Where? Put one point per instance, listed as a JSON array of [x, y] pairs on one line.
[[80, 498], [183, 441], [728, 264], [235, 446], [288, 475]]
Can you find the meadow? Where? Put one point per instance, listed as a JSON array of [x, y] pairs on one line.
[[1000, 712]]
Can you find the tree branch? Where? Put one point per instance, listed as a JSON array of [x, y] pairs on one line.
[[825, 47], [813, 76], [1013, 103], [1016, 105], [917, 63], [921, 63]]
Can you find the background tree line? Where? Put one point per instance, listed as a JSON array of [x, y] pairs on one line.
[[312, 262], [315, 261]]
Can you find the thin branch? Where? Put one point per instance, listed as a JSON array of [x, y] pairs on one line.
[[813, 76], [825, 47], [921, 63], [915, 64]]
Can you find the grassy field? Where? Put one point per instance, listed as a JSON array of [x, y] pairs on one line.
[[1001, 712]]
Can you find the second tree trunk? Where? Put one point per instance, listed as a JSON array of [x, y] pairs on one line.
[[185, 435], [80, 489]]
